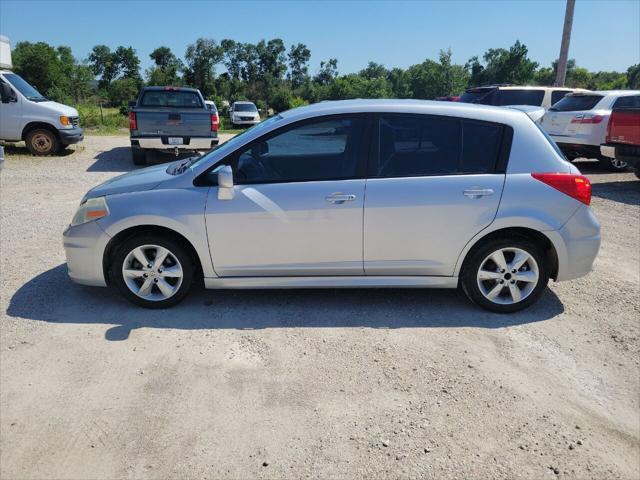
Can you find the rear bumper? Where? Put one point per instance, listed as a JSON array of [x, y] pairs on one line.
[[84, 246], [162, 143], [70, 136], [577, 244]]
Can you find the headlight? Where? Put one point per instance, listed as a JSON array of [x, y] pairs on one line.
[[90, 210], [66, 121]]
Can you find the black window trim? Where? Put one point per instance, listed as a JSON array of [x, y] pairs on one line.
[[361, 163], [500, 166]]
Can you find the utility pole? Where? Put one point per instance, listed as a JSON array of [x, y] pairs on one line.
[[561, 73]]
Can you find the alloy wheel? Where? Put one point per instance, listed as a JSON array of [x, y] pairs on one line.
[[152, 272], [508, 276]]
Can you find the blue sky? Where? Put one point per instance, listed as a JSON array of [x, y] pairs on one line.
[[606, 34]]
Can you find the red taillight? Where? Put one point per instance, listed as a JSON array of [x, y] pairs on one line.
[[215, 122], [133, 122], [576, 186], [587, 119]]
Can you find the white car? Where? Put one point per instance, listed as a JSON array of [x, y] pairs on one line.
[[244, 114], [578, 124], [504, 95]]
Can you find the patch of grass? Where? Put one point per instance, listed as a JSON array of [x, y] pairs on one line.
[[232, 131], [111, 118], [102, 130]]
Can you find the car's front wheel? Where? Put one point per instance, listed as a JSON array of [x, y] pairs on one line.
[[152, 272], [42, 141], [505, 275]]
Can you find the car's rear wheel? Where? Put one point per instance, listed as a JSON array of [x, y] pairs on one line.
[[152, 272], [505, 275], [613, 164], [41, 141], [139, 156]]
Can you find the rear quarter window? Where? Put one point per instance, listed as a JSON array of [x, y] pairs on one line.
[[576, 103]]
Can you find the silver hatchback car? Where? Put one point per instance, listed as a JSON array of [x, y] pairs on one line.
[[363, 193]]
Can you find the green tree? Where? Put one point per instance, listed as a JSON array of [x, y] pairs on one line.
[[503, 66], [328, 72], [299, 56], [123, 90], [271, 58], [39, 64], [104, 64], [201, 60], [633, 77], [166, 68]]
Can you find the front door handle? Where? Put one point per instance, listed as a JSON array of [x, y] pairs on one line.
[[339, 198], [478, 192]]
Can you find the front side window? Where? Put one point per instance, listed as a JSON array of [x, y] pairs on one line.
[[422, 145], [326, 149], [520, 97]]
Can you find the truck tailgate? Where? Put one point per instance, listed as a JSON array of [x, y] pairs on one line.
[[173, 123]]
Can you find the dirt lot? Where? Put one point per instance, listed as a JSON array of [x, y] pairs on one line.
[[297, 384]]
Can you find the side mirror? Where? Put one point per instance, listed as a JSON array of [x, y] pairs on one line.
[[132, 104], [225, 183], [7, 93]]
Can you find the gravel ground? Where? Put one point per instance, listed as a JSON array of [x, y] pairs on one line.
[[297, 384]]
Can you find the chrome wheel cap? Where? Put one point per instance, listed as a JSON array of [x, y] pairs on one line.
[[508, 276], [152, 272]]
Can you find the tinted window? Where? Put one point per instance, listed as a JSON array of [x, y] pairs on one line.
[[484, 96], [627, 102], [576, 103], [558, 95], [520, 97], [322, 150], [424, 145], [170, 98]]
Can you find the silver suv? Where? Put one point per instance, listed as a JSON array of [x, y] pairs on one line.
[[364, 193]]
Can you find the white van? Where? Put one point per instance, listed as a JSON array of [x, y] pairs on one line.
[[25, 114], [504, 95]]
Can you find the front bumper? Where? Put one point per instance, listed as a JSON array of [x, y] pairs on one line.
[[72, 135], [577, 244], [84, 247]]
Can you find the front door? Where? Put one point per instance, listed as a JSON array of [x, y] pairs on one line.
[[10, 117], [297, 204], [436, 183]]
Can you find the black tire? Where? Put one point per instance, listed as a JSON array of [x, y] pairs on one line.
[[139, 156], [468, 276], [176, 250], [612, 164], [41, 142]]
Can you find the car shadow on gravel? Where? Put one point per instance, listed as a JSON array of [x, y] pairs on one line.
[[622, 192], [118, 159], [52, 297], [20, 149]]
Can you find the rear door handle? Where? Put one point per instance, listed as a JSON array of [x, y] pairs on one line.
[[478, 192], [339, 198]]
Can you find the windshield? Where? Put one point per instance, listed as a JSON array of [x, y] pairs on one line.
[[24, 88], [244, 107], [576, 103], [170, 98], [230, 145]]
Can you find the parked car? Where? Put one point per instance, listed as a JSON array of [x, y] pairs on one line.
[[578, 124], [244, 114], [456, 194], [622, 142], [25, 114], [171, 119], [503, 95]]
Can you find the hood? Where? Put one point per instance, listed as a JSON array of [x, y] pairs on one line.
[[59, 108], [136, 181]]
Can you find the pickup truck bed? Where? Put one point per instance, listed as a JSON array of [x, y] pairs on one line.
[[171, 119]]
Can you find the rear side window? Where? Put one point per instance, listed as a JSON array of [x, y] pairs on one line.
[[576, 103], [484, 96], [413, 146], [170, 98], [558, 95], [632, 101], [520, 97]]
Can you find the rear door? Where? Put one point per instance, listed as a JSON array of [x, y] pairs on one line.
[[174, 113], [434, 183]]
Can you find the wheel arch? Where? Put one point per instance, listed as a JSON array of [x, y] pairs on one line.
[[35, 125], [526, 233], [131, 232]]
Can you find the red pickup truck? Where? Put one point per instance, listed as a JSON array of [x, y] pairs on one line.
[[623, 134]]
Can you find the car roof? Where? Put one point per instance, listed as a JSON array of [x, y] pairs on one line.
[[619, 93], [468, 110], [526, 87]]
